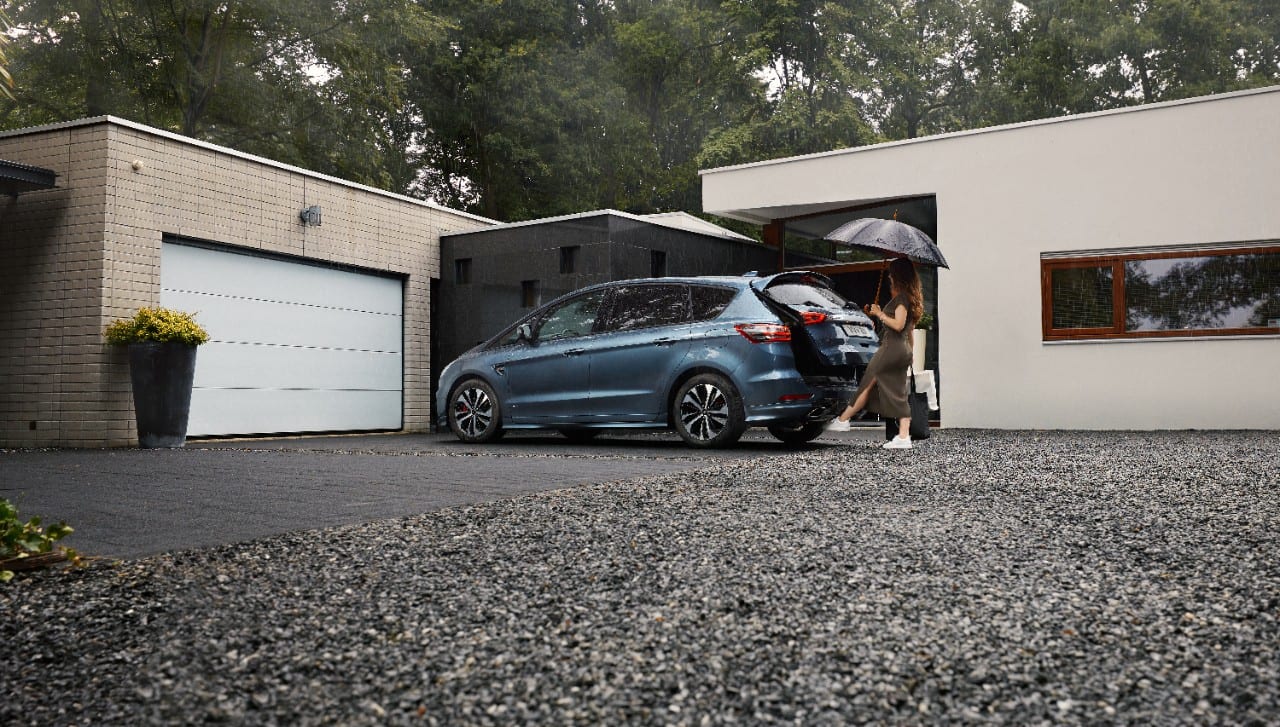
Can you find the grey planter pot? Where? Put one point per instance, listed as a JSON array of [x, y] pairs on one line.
[[162, 374]]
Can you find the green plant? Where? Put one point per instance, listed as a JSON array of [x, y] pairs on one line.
[[27, 545], [925, 322], [161, 325]]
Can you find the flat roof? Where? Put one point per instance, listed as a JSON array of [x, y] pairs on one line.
[[994, 129], [675, 220], [17, 178], [116, 120]]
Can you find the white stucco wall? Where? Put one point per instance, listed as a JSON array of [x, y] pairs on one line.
[[1199, 171]]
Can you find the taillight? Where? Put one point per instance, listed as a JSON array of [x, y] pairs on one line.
[[811, 317], [764, 332]]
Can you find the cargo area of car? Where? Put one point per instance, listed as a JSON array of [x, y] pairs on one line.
[[810, 362]]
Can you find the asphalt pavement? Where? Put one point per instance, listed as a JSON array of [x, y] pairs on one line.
[[127, 503]]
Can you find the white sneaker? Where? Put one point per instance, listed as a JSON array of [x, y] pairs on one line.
[[898, 443], [835, 425]]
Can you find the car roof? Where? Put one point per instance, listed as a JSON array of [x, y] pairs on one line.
[[738, 281]]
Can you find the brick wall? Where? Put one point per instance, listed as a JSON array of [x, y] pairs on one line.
[[77, 257]]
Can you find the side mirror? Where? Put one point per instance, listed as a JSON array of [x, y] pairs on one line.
[[524, 332]]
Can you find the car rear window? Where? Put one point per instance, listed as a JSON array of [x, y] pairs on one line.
[[807, 295], [709, 301]]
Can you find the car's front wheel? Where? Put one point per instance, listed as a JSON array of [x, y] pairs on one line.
[[797, 432], [474, 414], [709, 412]]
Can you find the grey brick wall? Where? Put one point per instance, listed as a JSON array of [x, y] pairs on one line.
[[77, 257]]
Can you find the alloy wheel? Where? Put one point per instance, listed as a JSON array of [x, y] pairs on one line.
[[704, 411], [473, 411]]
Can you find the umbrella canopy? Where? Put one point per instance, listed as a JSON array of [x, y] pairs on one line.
[[889, 236]]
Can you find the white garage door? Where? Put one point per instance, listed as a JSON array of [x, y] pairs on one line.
[[293, 347]]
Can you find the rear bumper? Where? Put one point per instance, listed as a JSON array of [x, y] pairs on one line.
[[791, 398]]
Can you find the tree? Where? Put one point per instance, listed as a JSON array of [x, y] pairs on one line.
[[807, 52], [6, 81], [921, 56], [281, 78]]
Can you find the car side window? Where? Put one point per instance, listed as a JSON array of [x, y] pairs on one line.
[[647, 306], [573, 318], [710, 301]]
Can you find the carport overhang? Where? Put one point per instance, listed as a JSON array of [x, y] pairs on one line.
[[17, 178], [810, 196]]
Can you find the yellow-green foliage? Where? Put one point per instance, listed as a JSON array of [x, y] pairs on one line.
[[160, 325], [20, 541]]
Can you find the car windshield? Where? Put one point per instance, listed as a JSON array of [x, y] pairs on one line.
[[805, 294]]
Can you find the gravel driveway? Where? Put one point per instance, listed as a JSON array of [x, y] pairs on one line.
[[1006, 577]]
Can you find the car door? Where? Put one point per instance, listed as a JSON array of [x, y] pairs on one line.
[[642, 342], [545, 377]]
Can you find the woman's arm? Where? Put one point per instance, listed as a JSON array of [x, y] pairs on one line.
[[897, 321]]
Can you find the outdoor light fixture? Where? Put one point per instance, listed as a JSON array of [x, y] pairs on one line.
[[310, 216]]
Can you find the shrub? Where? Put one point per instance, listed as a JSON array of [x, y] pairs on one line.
[[29, 545], [925, 322], [160, 325]]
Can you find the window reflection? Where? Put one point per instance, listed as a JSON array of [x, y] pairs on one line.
[[646, 306], [1203, 293]]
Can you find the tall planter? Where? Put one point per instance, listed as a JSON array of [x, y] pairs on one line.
[[919, 337], [162, 374]]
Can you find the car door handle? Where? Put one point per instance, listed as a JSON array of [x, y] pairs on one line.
[[664, 341], [574, 351]]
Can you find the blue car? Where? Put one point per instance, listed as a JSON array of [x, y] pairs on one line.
[[707, 356]]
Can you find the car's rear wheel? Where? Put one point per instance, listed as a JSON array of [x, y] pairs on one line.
[[474, 412], [797, 432], [709, 412]]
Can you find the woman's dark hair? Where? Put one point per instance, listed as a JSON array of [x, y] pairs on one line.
[[902, 273]]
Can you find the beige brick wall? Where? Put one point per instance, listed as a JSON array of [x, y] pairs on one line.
[[77, 257]]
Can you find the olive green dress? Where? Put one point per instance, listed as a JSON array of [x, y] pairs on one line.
[[888, 368]]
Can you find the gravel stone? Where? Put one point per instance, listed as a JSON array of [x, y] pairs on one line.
[[997, 577]]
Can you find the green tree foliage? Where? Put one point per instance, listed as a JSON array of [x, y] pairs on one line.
[[307, 82], [526, 108], [1124, 52], [807, 55], [501, 92], [6, 81]]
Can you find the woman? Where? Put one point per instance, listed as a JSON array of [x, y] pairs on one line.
[[884, 385]]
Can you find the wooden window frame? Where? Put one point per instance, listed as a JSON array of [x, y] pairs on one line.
[[1119, 310]]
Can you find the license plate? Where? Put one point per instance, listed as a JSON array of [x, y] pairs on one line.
[[858, 331]]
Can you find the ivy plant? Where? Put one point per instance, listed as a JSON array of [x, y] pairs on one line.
[[21, 541], [159, 325]]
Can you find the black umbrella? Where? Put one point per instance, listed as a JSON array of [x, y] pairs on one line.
[[890, 236]]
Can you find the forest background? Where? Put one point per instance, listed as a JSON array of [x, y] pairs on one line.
[[519, 109]]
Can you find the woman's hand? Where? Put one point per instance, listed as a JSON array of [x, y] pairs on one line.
[[874, 310]]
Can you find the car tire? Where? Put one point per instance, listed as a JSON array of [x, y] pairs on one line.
[[797, 432], [580, 435], [707, 412], [475, 414]]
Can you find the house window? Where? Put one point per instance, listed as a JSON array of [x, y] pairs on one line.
[[569, 259], [530, 293], [462, 270], [657, 264], [1202, 292]]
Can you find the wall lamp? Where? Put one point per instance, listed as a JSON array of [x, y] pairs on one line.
[[310, 216]]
